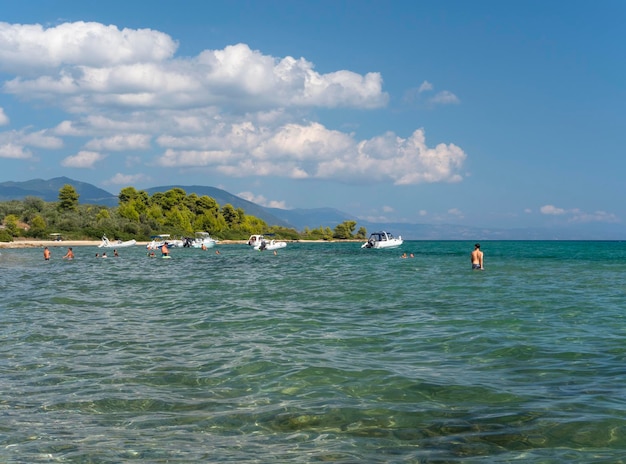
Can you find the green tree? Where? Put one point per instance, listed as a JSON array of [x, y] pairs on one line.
[[230, 215], [361, 233], [344, 230], [68, 198], [10, 224], [37, 226]]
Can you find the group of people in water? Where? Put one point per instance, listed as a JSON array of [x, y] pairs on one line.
[[70, 254], [47, 255], [476, 256]]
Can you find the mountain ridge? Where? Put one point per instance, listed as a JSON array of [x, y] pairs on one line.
[[300, 218]]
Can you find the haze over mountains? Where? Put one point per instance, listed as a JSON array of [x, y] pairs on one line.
[[48, 190]]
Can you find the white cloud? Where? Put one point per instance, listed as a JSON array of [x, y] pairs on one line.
[[455, 212], [551, 210], [89, 64], [40, 139], [4, 119], [234, 110], [425, 87], [313, 151], [13, 143], [25, 47], [579, 216], [126, 179], [84, 159], [120, 143], [262, 201], [388, 209], [14, 151], [445, 98], [597, 216]]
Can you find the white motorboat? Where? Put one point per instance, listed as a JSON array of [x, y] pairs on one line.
[[382, 239], [203, 240], [159, 240], [106, 243], [259, 242]]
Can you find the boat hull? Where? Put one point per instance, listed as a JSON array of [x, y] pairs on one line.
[[117, 244], [383, 245]]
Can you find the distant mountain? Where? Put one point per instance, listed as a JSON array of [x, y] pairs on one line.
[[48, 190], [312, 218]]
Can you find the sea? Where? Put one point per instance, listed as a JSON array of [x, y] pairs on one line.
[[320, 353]]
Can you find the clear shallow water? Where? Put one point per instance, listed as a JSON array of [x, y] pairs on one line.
[[322, 353]]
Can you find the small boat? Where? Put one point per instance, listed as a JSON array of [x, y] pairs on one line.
[[159, 240], [382, 239], [203, 240], [259, 242], [106, 243]]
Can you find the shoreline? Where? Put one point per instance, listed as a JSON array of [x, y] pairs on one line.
[[95, 243]]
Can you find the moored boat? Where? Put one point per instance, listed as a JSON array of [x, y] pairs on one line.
[[159, 240], [106, 243], [381, 240], [259, 242], [203, 240]]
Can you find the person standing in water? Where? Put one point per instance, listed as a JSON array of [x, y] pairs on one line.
[[477, 257], [69, 254], [46, 254]]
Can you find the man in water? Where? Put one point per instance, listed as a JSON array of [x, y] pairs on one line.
[[46, 254], [477, 257], [69, 254], [164, 250]]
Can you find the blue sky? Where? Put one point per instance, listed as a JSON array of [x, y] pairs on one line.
[[489, 113]]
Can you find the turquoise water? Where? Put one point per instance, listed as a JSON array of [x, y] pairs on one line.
[[321, 353]]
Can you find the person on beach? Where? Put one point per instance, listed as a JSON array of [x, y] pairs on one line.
[[477, 257], [69, 254], [46, 254]]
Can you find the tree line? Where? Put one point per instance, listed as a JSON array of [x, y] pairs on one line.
[[139, 215]]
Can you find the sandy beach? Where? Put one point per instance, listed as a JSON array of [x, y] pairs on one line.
[[19, 243], [48, 243]]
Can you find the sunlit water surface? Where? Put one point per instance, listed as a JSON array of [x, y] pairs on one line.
[[321, 353]]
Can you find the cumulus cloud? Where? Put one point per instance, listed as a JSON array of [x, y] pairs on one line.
[[84, 159], [13, 143], [12, 150], [425, 87], [4, 119], [261, 200], [313, 151], [551, 210], [90, 64], [445, 98], [25, 48], [120, 143], [126, 179], [235, 110], [596, 216], [579, 216]]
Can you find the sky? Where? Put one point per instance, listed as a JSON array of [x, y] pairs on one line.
[[487, 113]]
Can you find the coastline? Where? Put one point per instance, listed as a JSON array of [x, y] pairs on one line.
[[77, 243]]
